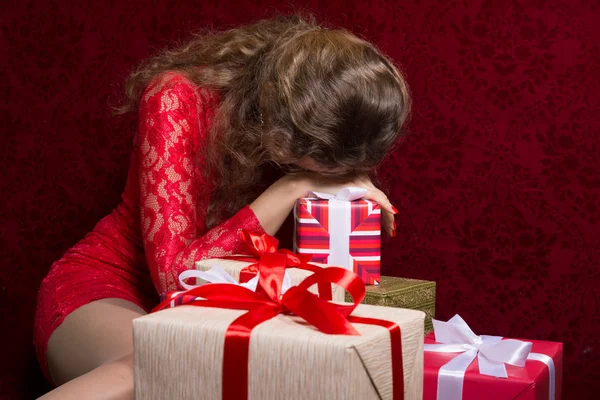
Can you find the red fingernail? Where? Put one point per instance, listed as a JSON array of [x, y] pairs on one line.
[[394, 226], [394, 233], [395, 210]]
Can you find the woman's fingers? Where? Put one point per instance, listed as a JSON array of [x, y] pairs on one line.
[[388, 221], [380, 197], [366, 182], [387, 210]]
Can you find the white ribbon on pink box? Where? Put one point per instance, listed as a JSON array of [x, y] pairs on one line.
[[455, 336]]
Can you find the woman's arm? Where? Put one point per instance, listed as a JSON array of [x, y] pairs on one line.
[[174, 121]]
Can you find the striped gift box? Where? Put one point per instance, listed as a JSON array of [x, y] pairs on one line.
[[340, 233]]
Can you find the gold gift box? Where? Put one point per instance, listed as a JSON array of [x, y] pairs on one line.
[[414, 294]]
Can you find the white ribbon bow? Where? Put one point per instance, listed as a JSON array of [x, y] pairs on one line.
[[218, 275], [345, 194], [491, 351]]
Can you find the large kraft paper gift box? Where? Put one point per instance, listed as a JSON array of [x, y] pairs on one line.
[[460, 365], [236, 270], [342, 230], [403, 293], [223, 340], [178, 354]]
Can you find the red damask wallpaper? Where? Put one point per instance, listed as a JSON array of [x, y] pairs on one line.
[[498, 182]]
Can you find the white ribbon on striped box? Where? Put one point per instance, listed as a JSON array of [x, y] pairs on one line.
[[340, 217]]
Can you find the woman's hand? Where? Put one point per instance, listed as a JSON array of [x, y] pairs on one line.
[[274, 205], [324, 184]]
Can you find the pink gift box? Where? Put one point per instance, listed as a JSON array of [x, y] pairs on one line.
[[532, 382]]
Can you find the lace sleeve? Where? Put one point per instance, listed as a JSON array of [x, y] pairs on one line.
[[174, 120]]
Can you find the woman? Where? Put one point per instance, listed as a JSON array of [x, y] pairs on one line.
[[214, 115]]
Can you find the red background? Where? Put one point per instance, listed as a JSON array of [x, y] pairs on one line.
[[498, 184]]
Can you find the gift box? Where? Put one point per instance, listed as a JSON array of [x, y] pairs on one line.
[[462, 365], [341, 231], [403, 293], [237, 270], [268, 339], [178, 354]]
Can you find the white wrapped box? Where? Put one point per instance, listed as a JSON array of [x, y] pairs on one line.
[[297, 275]]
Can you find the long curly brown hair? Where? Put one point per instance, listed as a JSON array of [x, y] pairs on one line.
[[289, 88]]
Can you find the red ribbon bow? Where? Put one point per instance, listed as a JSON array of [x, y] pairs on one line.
[[260, 245], [267, 302]]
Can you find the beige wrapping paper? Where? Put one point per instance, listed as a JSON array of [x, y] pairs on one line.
[[178, 354], [233, 268]]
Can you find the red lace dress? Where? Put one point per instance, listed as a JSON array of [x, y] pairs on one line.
[[156, 231]]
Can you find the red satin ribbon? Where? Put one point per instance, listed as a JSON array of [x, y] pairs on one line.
[[259, 245], [396, 340], [267, 302]]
